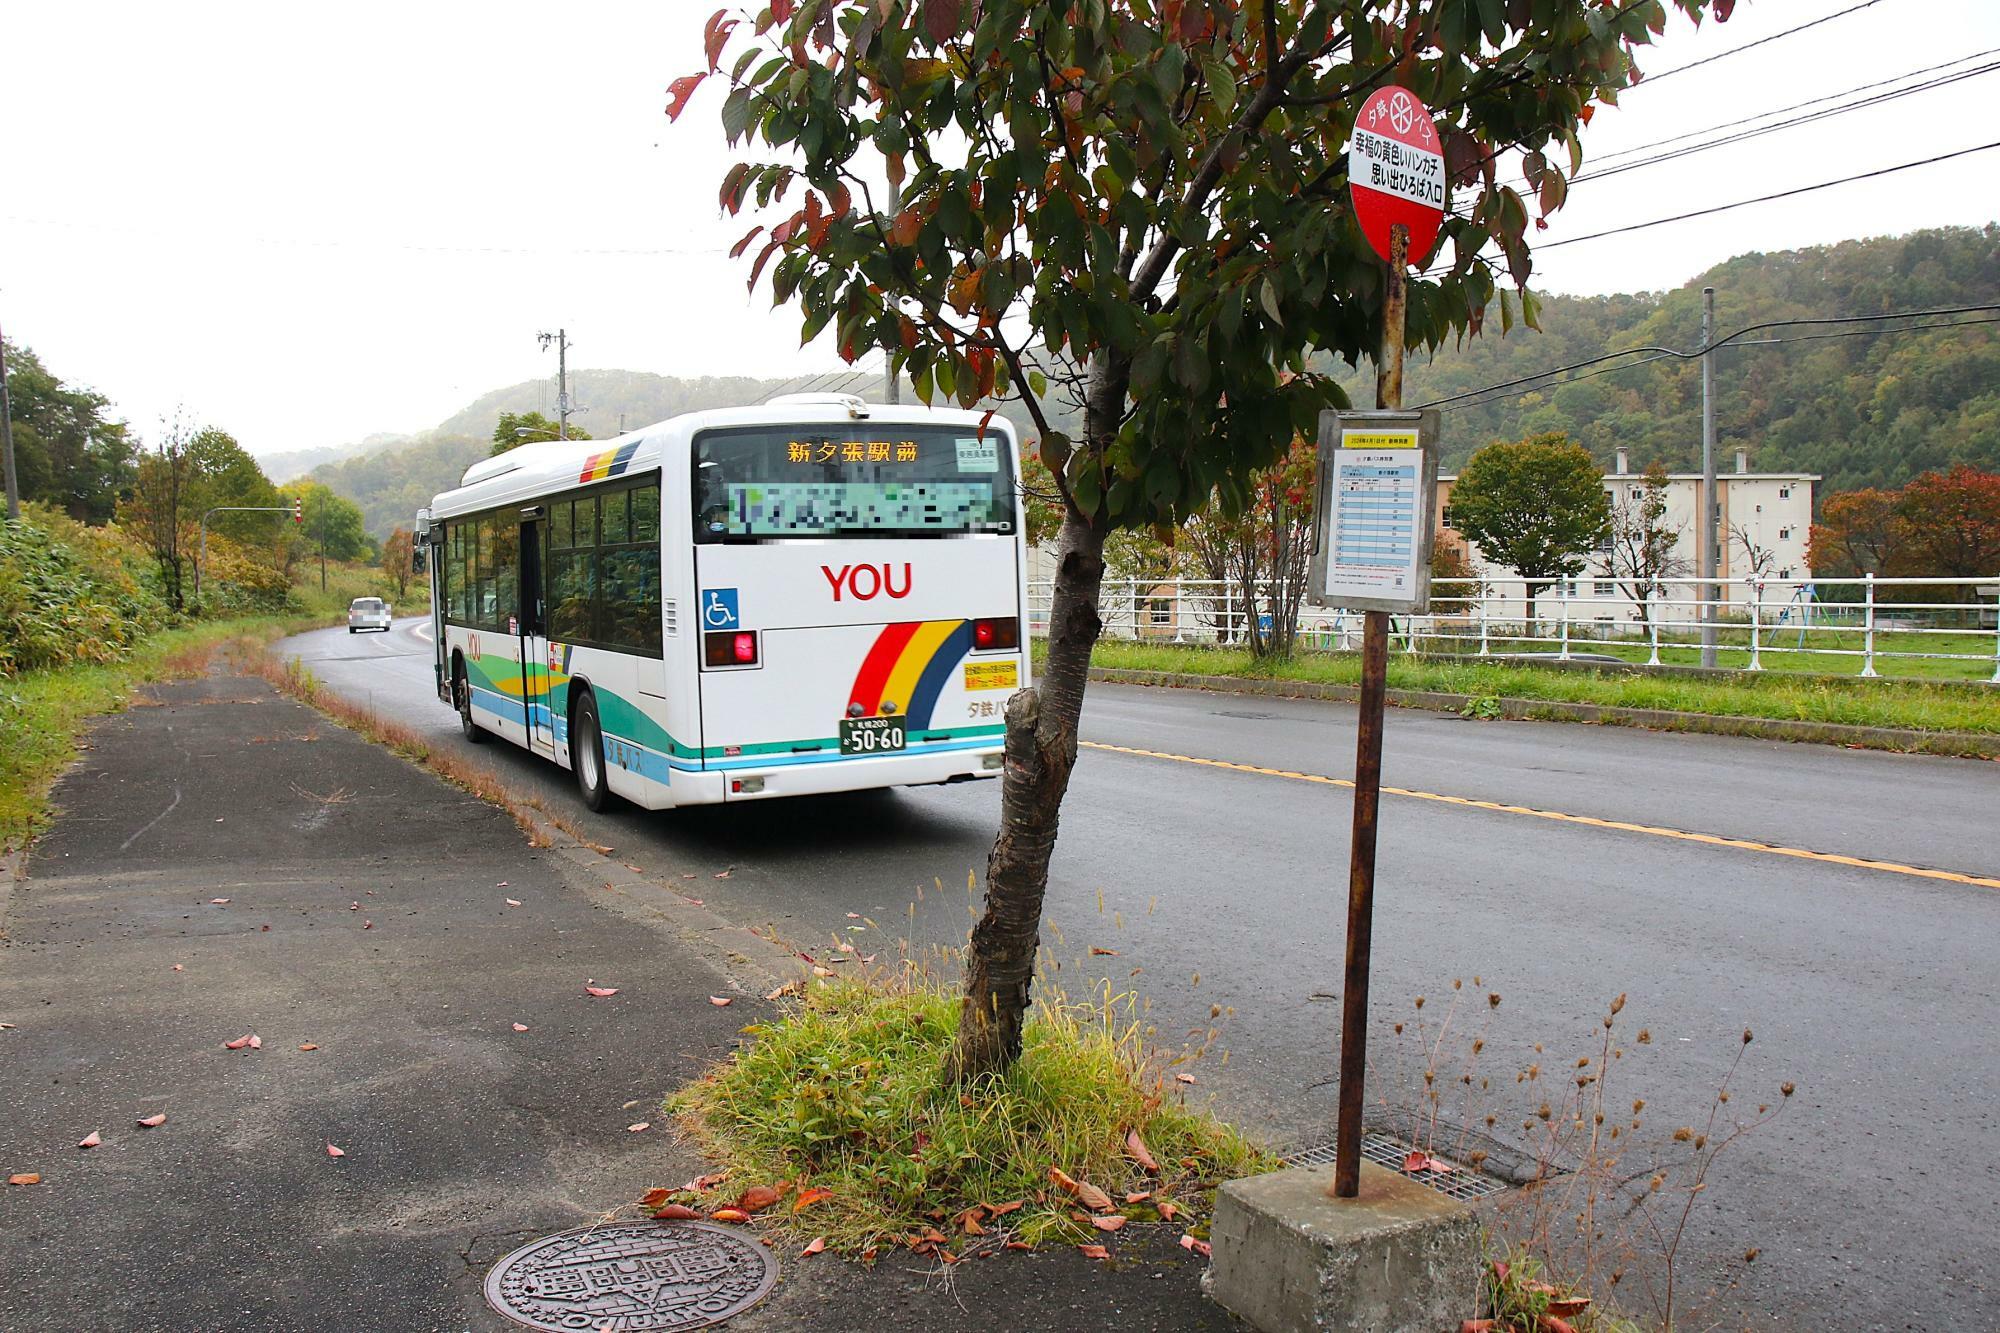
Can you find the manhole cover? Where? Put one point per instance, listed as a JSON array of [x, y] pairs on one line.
[[631, 1277]]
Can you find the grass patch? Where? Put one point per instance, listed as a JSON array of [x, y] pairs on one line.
[[1912, 705], [844, 1093], [43, 712]]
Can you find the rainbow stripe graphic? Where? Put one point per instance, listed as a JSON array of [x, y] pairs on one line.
[[609, 463], [909, 666]]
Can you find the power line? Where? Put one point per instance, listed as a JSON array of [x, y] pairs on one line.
[[1798, 106], [1530, 383], [1825, 113], [1748, 46], [1767, 198]]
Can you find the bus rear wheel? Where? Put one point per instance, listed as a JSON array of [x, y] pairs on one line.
[[461, 696], [586, 752]]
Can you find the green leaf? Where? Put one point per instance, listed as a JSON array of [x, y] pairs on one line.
[[1267, 296], [1038, 384]]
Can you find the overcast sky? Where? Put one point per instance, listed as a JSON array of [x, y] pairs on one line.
[[305, 225]]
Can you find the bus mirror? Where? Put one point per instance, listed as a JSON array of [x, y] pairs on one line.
[[419, 559]]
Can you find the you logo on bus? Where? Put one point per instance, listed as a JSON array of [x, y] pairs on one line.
[[866, 582]]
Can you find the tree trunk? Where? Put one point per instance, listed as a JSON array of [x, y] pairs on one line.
[[1041, 750]]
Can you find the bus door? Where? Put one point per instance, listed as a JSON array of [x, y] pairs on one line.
[[534, 635]]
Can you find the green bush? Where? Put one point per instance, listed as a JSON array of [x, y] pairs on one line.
[[70, 594]]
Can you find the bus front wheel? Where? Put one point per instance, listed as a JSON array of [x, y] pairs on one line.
[[586, 753], [461, 696]]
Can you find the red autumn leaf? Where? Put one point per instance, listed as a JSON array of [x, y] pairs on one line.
[[724, 874], [720, 1001], [1111, 1223], [520, 1027], [1564, 1306], [678, 93], [789, 988], [90, 1140], [256, 1042], [25, 1178], [1093, 1198], [736, 251], [249, 1039], [729, 1215], [1168, 1211], [1019, 1245], [909, 223], [639, 1128], [1093, 1251], [807, 1198], [814, 1246], [715, 35], [1096, 952], [709, 1182], [308, 1046], [854, 916], [1200, 1247], [676, 1212], [368, 925], [1136, 1147], [1184, 1078], [177, 968], [332, 1151], [600, 991], [511, 902], [218, 902], [970, 1222], [1062, 1179], [759, 1197], [153, 1121], [656, 1197]]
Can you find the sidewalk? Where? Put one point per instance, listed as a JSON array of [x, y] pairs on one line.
[[367, 917]]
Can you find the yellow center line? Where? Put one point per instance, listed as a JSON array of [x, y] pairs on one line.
[[1622, 826]]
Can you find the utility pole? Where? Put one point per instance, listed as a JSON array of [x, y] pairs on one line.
[[1710, 510], [561, 339], [892, 388], [7, 441]]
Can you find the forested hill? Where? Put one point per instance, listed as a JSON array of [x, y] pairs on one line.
[[1861, 410]]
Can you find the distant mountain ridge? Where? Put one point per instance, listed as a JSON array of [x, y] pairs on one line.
[[1858, 407]]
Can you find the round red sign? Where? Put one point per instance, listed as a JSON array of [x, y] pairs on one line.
[[1395, 171]]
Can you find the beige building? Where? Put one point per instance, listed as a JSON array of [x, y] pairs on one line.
[[1766, 518]]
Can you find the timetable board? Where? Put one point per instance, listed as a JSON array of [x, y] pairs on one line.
[[1377, 485]]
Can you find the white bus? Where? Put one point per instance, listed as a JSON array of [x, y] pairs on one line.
[[812, 595]]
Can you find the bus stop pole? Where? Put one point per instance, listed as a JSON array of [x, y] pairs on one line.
[[1367, 787]]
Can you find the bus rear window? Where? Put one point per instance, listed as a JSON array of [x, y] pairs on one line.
[[768, 483]]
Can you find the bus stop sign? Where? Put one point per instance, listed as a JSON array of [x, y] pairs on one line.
[[1395, 172]]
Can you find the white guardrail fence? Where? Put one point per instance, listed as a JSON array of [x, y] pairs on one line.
[[1935, 628]]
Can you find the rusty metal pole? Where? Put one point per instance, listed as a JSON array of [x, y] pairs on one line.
[[1367, 788]]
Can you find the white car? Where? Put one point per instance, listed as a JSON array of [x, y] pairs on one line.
[[367, 613]]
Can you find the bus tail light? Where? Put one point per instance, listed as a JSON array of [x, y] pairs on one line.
[[998, 632], [730, 648]]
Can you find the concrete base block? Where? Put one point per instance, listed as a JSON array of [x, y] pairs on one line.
[[1289, 1258]]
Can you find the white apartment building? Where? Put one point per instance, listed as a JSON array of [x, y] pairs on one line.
[[1766, 521]]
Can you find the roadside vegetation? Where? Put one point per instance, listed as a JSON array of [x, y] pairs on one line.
[[1913, 705], [839, 1123]]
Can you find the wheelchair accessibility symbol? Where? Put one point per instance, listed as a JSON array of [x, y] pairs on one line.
[[718, 608]]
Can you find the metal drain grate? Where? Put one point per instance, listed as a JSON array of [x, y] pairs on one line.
[[1461, 1182], [633, 1276]]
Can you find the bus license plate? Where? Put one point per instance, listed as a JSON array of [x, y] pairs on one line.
[[871, 735]]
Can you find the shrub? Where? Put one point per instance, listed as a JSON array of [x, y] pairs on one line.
[[70, 593]]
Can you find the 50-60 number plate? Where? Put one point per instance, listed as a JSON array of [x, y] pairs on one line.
[[871, 735]]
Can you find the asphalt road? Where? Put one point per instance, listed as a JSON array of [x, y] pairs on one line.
[[1869, 1199]]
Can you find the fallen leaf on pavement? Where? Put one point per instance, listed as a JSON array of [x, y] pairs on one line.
[[814, 1246], [250, 1039], [720, 1001], [90, 1140], [1184, 1078], [26, 1178], [1002, 1209], [789, 988], [501, 885], [308, 1045], [332, 1151], [722, 874], [511, 902], [819, 971], [1200, 1247], [177, 968], [1136, 1146], [654, 1198], [1093, 1252], [807, 1198], [1096, 952], [601, 991], [854, 916], [868, 958], [639, 1128], [1111, 1223], [1168, 1212], [1422, 1161], [729, 1215], [1140, 1197], [520, 1027], [845, 946], [218, 902], [153, 1121], [676, 1212]]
